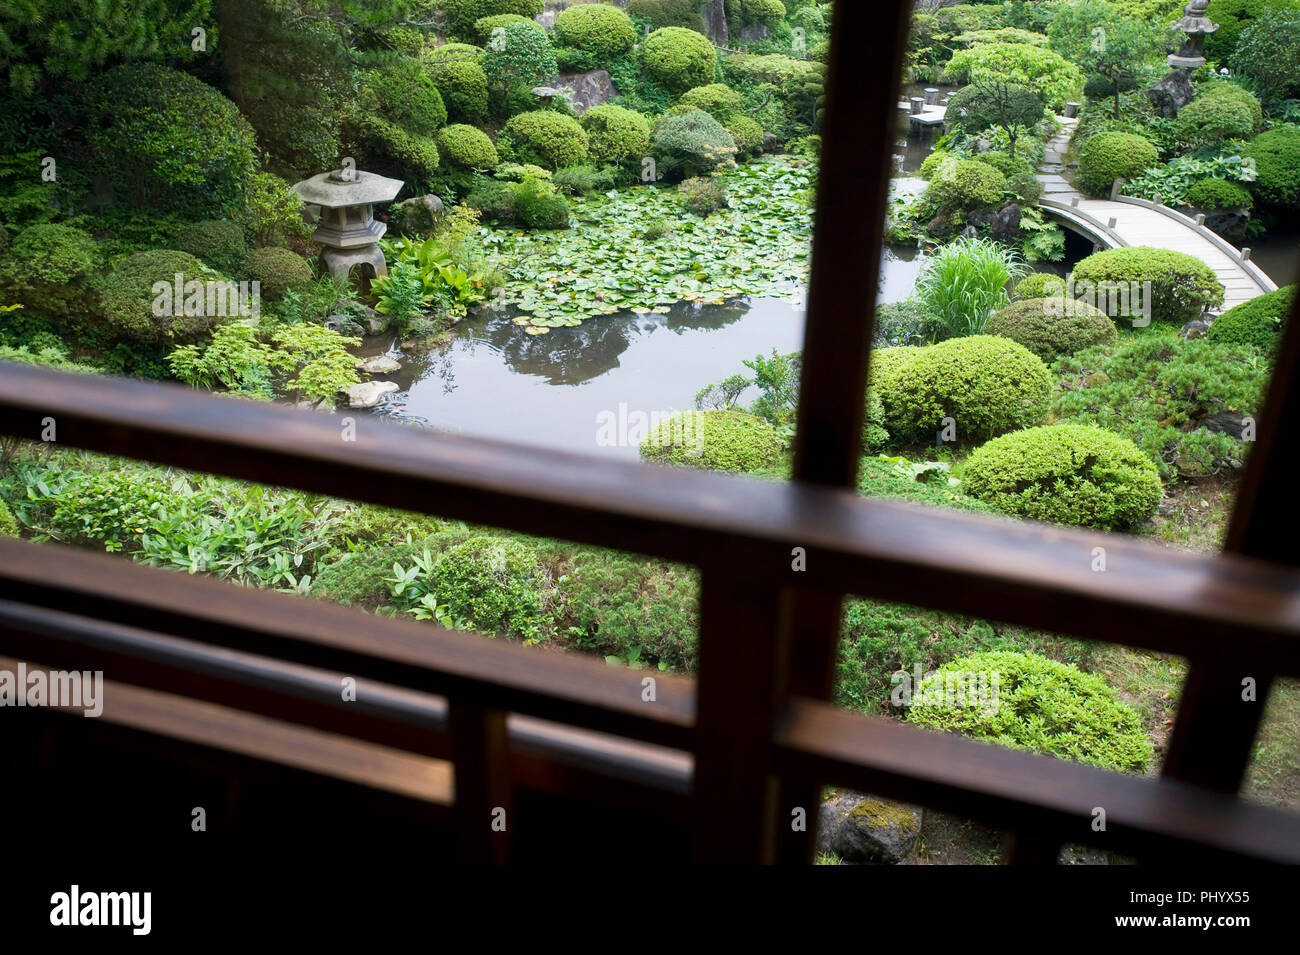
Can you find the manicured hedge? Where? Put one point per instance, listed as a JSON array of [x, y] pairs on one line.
[[456, 71], [408, 97], [1038, 285], [1215, 194], [467, 147], [1072, 474], [717, 99], [1277, 166], [218, 242], [50, 269], [748, 135], [717, 440], [1050, 327], [547, 138], [601, 30], [462, 15], [690, 143], [965, 184], [678, 59], [1258, 322], [1182, 286], [494, 584], [279, 271], [127, 298], [616, 136], [1110, 156]]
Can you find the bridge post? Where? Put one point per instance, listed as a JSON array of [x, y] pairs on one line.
[[1245, 254], [1115, 188], [931, 96], [1200, 219], [1074, 202], [918, 104]]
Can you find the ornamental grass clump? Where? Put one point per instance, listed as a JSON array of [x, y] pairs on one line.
[[964, 282]]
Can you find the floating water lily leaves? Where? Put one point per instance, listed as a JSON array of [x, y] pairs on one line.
[[537, 330]]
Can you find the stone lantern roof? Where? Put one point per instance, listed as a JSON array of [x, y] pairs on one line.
[[331, 190]]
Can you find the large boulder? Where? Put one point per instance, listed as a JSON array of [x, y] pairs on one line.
[[588, 89], [367, 394], [417, 216], [1171, 94], [861, 828]]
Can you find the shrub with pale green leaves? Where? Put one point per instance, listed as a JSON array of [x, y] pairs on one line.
[[716, 440], [616, 136], [467, 147], [1182, 286], [717, 99], [1055, 326], [690, 143], [598, 28], [547, 139], [1258, 322], [678, 59], [1110, 156]]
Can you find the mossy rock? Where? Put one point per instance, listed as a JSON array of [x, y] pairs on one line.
[[863, 829]]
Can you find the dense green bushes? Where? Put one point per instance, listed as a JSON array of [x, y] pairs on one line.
[[8, 523], [988, 385], [456, 71], [484, 27], [747, 135], [1258, 322], [690, 143], [1018, 172], [1277, 166], [718, 440], [548, 139], [493, 584], [467, 147], [1110, 156], [1043, 706], [1038, 285], [1050, 327], [601, 30], [51, 269], [1066, 474], [1215, 194], [668, 13], [717, 99], [1182, 286], [678, 59], [462, 15], [127, 298], [965, 184], [616, 136], [1209, 120], [218, 242], [404, 94], [279, 271]]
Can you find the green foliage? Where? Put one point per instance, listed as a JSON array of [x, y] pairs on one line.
[[1172, 180], [1214, 194], [537, 205], [690, 143], [965, 184], [1182, 286], [547, 139], [1160, 392], [1078, 475], [1106, 42], [484, 27], [1277, 166], [617, 136], [456, 70], [931, 163], [600, 29], [276, 212], [668, 13], [1233, 18], [279, 270], [1110, 156], [703, 196], [982, 105], [1038, 285], [50, 269], [1053, 327], [746, 12], [8, 523], [463, 15], [517, 58], [1268, 53], [383, 146], [1018, 172], [491, 584], [678, 58], [747, 134], [467, 147], [717, 99], [1258, 322], [1044, 706], [906, 323], [964, 282], [445, 285], [716, 440], [402, 93], [1022, 65], [1209, 120], [127, 298], [989, 385], [218, 242]]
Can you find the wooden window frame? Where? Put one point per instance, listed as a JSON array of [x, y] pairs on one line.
[[753, 736]]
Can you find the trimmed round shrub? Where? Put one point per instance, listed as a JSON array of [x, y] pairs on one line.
[[616, 136], [1038, 285], [745, 12], [50, 269], [601, 30], [1018, 171], [717, 99], [456, 71], [931, 163], [1050, 327], [691, 143], [678, 59], [746, 133], [463, 15], [279, 270], [717, 440], [388, 148], [8, 523], [1258, 322], [536, 205], [1215, 194], [1277, 166], [989, 385], [485, 26], [668, 13], [975, 108], [1110, 156], [406, 96], [218, 242], [1209, 120], [169, 140], [127, 298], [495, 584], [1182, 286], [467, 147], [965, 184], [547, 139], [1041, 705], [1066, 474], [1232, 93]]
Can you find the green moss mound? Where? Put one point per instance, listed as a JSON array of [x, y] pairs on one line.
[[456, 70], [601, 30], [717, 440], [1043, 706], [51, 270], [467, 147], [1066, 474], [1182, 286], [128, 297], [616, 136], [218, 242], [678, 59], [1258, 322], [547, 139], [1110, 156], [279, 270], [494, 584], [746, 133], [1050, 327], [1215, 194], [989, 385], [406, 96], [965, 184], [1277, 166]]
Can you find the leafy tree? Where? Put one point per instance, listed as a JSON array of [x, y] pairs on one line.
[[1105, 42], [993, 102], [1268, 52], [518, 57], [1022, 65]]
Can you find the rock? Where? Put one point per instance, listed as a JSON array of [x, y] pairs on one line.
[[753, 33], [367, 394], [1229, 223], [585, 90], [375, 326], [1196, 329], [984, 146], [545, 20], [715, 17], [323, 404], [343, 324], [417, 216], [1171, 94], [379, 365], [861, 828], [1167, 507], [1225, 422], [970, 232], [1006, 223], [1082, 855]]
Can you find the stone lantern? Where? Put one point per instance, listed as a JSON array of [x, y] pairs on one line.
[[1196, 25], [347, 227]]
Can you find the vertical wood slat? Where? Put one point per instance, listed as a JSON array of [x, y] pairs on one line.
[[733, 798], [1215, 730], [862, 83], [481, 756]]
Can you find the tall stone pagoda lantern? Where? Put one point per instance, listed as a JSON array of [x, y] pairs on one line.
[[347, 227], [1196, 25]]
